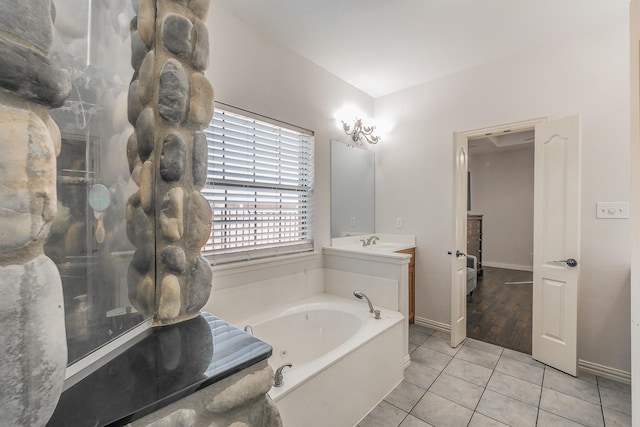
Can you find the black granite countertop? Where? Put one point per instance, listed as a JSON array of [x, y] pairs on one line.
[[169, 364]]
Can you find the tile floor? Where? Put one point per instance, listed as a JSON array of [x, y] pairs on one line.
[[480, 384]]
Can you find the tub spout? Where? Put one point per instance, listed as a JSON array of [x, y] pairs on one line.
[[360, 295], [278, 378], [248, 329]]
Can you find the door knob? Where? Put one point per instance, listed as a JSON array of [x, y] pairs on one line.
[[570, 262], [458, 253]]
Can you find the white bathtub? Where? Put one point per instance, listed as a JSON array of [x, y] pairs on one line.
[[344, 361]]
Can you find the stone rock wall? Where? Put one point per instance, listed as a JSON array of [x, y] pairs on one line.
[[170, 103], [34, 356], [240, 400]]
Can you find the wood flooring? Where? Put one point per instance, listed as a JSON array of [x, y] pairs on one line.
[[499, 313]]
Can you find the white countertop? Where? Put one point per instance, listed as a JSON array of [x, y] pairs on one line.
[[388, 243]]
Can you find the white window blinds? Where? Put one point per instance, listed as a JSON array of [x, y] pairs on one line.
[[259, 185]]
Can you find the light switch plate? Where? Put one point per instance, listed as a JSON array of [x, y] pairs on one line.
[[612, 210]]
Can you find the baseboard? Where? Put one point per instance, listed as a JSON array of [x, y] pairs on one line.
[[428, 323], [407, 361], [604, 371], [507, 266]]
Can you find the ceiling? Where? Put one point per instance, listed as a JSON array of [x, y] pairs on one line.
[[382, 46], [505, 141]]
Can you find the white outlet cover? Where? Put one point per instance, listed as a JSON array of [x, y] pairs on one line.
[[612, 210]]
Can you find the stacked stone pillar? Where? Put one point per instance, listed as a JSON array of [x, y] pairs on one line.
[[32, 332], [170, 103]]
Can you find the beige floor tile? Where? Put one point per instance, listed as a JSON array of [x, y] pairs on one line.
[[521, 357], [547, 419], [507, 410], [488, 347], [479, 420], [405, 396], [616, 419], [420, 375], [570, 407], [383, 415], [430, 358], [412, 421], [615, 385], [476, 374], [440, 345], [457, 390], [478, 356], [564, 383], [616, 400], [523, 371], [439, 411], [521, 390]]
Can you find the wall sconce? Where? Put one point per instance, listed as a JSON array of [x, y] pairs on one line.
[[360, 131]]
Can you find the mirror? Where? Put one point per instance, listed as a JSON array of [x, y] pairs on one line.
[[352, 190]]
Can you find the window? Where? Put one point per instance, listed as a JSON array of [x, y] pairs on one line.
[[260, 187]]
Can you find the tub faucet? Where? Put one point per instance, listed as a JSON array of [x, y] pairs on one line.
[[248, 329], [360, 295], [278, 379]]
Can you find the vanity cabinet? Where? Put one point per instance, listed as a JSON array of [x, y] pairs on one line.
[[474, 238], [412, 282]]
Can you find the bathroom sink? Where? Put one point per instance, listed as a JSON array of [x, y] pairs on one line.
[[384, 243], [382, 247]]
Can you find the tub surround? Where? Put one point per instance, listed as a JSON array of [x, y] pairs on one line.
[[318, 331], [344, 360], [383, 293], [238, 303], [341, 395], [180, 366], [266, 298], [383, 263], [357, 358]]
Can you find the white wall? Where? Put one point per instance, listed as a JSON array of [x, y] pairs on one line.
[[250, 71], [635, 205], [587, 75], [502, 191]]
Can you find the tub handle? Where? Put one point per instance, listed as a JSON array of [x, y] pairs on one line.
[[278, 378]]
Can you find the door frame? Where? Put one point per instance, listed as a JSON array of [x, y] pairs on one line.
[[459, 317]]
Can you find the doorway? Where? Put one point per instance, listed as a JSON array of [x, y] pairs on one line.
[[556, 269], [500, 238]]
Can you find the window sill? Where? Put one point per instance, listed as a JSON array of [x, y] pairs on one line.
[[256, 264]]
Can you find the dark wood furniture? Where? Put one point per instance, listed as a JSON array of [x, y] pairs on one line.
[[474, 238], [412, 282]]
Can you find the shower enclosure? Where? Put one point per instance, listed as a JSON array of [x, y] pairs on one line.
[[88, 239]]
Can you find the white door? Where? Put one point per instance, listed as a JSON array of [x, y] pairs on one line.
[[458, 258], [556, 252]]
